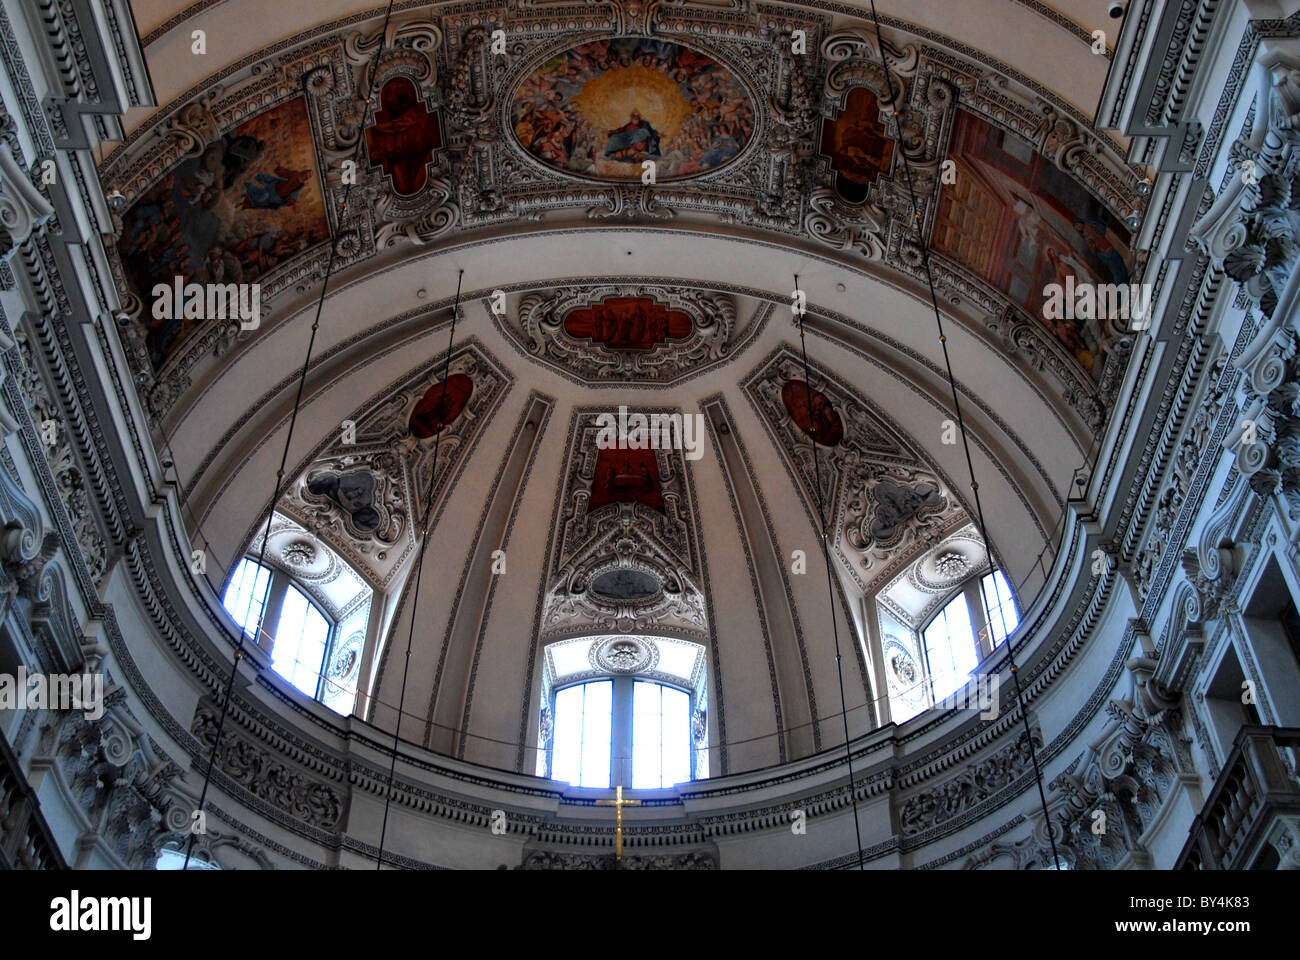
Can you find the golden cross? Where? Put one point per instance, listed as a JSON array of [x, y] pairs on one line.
[[618, 803]]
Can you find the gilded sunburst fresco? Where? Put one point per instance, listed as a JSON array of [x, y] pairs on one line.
[[601, 109]]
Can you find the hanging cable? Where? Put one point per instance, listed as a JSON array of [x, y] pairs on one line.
[[419, 569], [961, 425], [280, 484], [826, 556]]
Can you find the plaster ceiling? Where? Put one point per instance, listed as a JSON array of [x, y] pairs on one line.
[[708, 264]]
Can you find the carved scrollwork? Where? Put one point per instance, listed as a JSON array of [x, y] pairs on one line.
[[712, 317], [22, 207], [265, 776], [358, 496], [879, 494], [657, 546], [836, 224]]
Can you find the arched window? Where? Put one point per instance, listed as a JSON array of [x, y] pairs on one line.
[[272, 610], [1002, 616], [593, 719], [966, 629], [950, 648], [640, 721], [661, 735], [245, 596]]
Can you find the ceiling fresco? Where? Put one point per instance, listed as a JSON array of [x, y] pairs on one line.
[[602, 109], [1021, 223], [803, 141], [249, 201]]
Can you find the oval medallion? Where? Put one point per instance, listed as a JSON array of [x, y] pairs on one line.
[[602, 109]]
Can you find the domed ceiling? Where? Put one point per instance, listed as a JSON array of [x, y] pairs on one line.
[[624, 193]]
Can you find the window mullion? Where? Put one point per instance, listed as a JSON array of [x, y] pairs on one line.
[[330, 635], [620, 769], [271, 611], [982, 632]]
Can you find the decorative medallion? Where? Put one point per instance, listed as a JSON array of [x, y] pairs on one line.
[[440, 405], [343, 665], [299, 553], [956, 558], [625, 585], [626, 333], [624, 655], [951, 564], [600, 110], [903, 669]]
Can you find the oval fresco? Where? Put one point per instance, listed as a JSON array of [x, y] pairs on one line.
[[599, 110], [440, 405], [813, 412]]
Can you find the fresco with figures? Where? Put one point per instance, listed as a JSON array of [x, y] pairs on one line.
[[855, 141], [1021, 223], [601, 109], [248, 203]]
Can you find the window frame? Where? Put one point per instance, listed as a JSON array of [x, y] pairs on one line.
[[622, 722], [976, 590], [272, 605]]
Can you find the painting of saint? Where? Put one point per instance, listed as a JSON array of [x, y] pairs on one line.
[[633, 141], [628, 323], [812, 412], [404, 136], [271, 191], [1022, 224], [626, 476], [856, 144], [440, 405], [602, 109], [251, 201]]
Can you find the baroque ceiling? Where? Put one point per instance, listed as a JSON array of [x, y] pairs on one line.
[[612, 201]]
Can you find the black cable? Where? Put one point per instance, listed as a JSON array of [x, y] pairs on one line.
[[280, 485], [830, 590], [956, 402], [419, 570]]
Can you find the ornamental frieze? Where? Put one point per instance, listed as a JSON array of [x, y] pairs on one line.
[[265, 777]]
